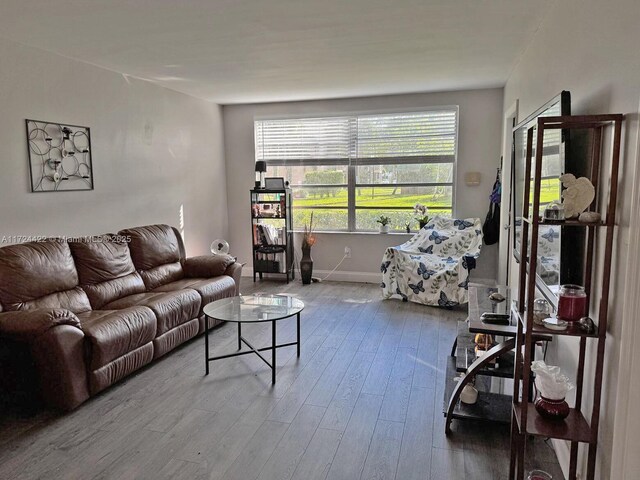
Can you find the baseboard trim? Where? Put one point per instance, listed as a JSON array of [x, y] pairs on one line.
[[490, 282], [357, 277], [349, 276], [337, 276]]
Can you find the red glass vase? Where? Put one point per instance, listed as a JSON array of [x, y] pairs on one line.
[[552, 409]]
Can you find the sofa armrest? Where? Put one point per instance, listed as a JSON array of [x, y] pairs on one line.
[[27, 325], [235, 271], [207, 266], [56, 343]]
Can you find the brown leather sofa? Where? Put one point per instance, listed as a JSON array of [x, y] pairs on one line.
[[92, 311]]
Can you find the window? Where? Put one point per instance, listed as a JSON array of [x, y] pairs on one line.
[[351, 169]]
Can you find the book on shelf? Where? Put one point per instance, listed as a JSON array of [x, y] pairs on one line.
[[264, 235]]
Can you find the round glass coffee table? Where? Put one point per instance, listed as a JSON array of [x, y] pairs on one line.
[[253, 309]]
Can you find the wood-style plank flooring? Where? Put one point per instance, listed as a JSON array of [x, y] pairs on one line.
[[364, 401]]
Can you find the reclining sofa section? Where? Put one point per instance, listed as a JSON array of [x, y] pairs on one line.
[[92, 312]]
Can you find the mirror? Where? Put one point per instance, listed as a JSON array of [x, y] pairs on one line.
[[560, 248]]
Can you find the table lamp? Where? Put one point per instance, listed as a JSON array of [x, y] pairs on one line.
[[261, 169]]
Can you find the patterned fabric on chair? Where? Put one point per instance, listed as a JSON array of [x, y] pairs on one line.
[[433, 267], [549, 254]]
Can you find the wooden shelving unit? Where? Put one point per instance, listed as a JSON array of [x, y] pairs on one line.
[[272, 258], [525, 419], [490, 407], [463, 365]]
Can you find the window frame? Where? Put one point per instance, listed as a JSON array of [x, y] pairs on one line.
[[351, 167]]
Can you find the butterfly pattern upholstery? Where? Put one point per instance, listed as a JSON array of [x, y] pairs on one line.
[[433, 267], [549, 254]]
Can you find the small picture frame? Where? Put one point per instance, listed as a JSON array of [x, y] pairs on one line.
[[274, 183]]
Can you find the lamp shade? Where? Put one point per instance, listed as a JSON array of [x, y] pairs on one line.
[[261, 166]]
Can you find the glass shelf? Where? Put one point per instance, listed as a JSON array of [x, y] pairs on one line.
[[570, 223], [573, 330], [491, 407]]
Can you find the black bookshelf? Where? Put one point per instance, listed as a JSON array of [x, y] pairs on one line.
[[272, 254]]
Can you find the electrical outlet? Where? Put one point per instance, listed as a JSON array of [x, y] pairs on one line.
[[347, 252]]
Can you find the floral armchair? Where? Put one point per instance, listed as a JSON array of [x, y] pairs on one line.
[[433, 267]]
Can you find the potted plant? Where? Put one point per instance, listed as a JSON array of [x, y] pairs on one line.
[[306, 263], [384, 223], [421, 211]]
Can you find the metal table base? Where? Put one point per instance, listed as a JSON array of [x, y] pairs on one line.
[[241, 340]]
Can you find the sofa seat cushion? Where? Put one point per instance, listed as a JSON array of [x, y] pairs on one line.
[[210, 289], [170, 308], [112, 334]]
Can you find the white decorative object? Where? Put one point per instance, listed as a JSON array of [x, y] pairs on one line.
[[219, 247], [469, 394], [577, 196], [550, 381], [554, 323], [589, 217], [384, 228]]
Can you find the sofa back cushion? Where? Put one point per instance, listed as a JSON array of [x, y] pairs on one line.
[[74, 299], [40, 275], [105, 269], [162, 274], [156, 254]]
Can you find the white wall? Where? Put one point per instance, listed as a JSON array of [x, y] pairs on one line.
[[154, 151], [478, 150], [590, 48]]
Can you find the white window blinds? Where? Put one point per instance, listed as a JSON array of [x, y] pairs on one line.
[[413, 137], [304, 140], [350, 169], [425, 136]]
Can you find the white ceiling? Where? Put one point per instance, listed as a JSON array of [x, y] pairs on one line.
[[240, 51]]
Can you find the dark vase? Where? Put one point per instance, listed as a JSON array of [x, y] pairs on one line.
[[552, 409], [422, 224], [306, 266]]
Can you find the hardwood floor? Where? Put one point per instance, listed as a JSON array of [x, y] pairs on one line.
[[364, 401]]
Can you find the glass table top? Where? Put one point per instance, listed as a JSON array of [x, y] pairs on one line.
[[254, 308]]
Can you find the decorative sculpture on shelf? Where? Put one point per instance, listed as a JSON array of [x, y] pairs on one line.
[[577, 196], [589, 217], [553, 386]]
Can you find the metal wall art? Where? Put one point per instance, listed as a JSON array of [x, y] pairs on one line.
[[59, 157]]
